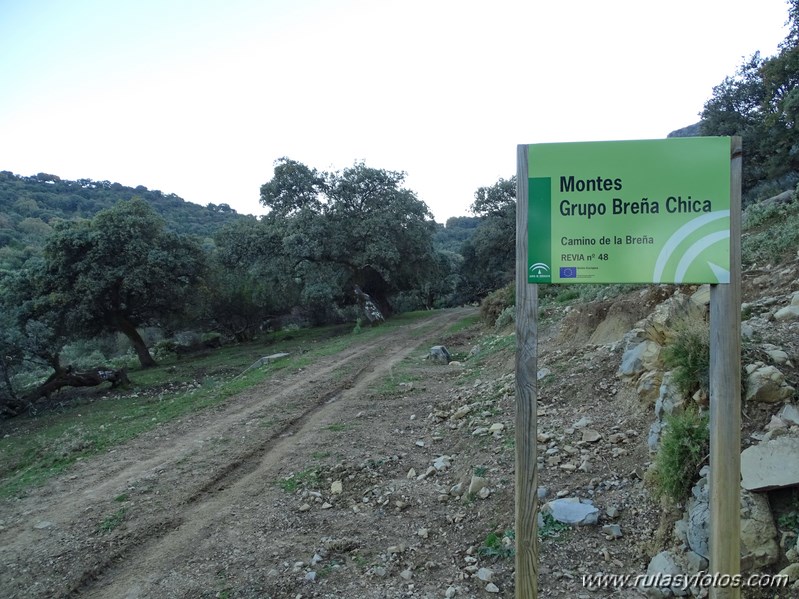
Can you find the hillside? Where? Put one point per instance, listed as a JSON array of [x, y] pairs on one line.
[[31, 206]]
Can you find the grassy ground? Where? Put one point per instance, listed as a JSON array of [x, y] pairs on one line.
[[86, 422]]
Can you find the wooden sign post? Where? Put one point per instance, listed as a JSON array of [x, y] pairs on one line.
[[639, 211], [725, 403], [526, 394]]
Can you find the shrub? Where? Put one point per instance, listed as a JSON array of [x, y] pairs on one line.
[[497, 301], [683, 448], [772, 232], [505, 318], [688, 355]]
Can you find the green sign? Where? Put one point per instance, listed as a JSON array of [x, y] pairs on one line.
[[643, 211]]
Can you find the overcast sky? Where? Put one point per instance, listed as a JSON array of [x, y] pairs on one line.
[[199, 98]]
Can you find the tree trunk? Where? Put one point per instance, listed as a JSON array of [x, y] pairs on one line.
[[127, 328], [68, 377], [10, 404]]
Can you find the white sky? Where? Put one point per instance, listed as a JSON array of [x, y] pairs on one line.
[[199, 98]]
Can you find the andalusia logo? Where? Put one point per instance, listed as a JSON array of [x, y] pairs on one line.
[[539, 269]]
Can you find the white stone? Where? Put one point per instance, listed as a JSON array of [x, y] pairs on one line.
[[572, 511], [590, 436], [778, 356], [442, 462], [476, 484], [787, 313], [790, 414], [336, 488], [461, 412]]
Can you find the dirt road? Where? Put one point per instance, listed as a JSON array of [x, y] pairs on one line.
[[205, 507]]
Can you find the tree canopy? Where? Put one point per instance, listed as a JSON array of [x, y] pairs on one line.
[[760, 102], [489, 256], [118, 271], [357, 227]]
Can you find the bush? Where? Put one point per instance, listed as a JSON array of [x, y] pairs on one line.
[[688, 355], [506, 317], [772, 232], [497, 301], [683, 448]]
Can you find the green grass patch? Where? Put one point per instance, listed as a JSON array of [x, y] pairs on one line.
[[464, 323], [306, 478], [771, 233], [340, 427], [498, 545], [113, 521], [551, 528]]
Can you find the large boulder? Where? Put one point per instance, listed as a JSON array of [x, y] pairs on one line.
[[439, 355], [637, 359], [766, 384], [759, 546], [664, 566], [771, 464]]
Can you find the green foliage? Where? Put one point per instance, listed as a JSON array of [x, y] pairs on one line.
[[772, 233], [113, 521], [463, 324], [567, 295], [788, 521], [450, 236], [498, 545], [496, 302], [120, 270], [489, 256], [551, 528], [297, 480], [30, 207], [760, 102], [358, 227], [506, 318], [683, 448], [687, 354]]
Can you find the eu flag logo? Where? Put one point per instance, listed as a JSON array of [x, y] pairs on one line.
[[568, 272]]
